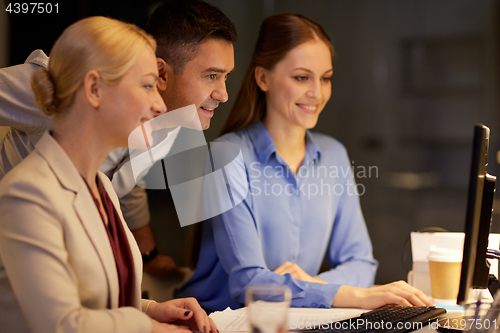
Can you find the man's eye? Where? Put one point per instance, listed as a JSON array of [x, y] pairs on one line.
[[212, 76]]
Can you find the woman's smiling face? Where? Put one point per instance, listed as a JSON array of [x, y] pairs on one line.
[[299, 86]]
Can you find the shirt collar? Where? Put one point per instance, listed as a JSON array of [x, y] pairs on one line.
[[312, 151], [39, 58], [264, 144], [262, 141]]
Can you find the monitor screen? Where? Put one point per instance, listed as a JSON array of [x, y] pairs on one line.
[[475, 267]]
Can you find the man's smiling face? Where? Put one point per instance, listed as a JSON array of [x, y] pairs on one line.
[[203, 80]]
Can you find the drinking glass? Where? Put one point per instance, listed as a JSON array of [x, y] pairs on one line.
[[267, 306]]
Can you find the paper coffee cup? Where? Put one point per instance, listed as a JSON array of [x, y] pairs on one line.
[[444, 267]]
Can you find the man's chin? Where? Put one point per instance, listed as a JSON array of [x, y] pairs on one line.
[[205, 119]]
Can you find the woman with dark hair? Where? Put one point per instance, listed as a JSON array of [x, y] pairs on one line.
[[68, 261], [302, 202]]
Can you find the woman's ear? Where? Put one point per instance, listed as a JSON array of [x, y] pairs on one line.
[[165, 71], [261, 77], [92, 87]]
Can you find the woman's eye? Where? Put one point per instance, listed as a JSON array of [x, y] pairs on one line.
[[326, 79], [300, 78], [149, 86]]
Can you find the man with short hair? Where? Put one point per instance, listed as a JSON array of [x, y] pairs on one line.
[[194, 55], [194, 60]]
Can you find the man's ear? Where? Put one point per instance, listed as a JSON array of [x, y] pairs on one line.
[[92, 86], [261, 77], [165, 71]]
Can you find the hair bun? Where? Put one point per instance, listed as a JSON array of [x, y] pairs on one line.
[[45, 91]]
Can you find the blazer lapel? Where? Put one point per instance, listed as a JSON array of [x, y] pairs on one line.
[[85, 208], [94, 226]]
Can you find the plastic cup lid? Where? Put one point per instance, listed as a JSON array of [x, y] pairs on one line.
[[444, 254]]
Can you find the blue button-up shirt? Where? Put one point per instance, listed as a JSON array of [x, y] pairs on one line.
[[285, 217]]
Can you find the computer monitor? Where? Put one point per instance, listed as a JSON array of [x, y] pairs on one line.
[[475, 267]]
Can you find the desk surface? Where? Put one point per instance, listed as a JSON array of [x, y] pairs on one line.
[[345, 313]]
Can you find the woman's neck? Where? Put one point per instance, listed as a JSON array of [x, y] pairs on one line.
[[79, 137], [289, 141]]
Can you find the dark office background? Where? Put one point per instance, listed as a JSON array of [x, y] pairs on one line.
[[410, 80]]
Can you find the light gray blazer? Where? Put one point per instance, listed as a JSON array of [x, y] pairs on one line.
[[57, 270]]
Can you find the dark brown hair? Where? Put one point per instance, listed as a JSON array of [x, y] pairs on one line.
[[278, 35], [179, 26]]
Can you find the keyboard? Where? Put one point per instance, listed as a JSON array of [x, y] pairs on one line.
[[386, 319]]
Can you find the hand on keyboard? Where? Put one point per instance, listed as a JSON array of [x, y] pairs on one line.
[[386, 319], [399, 293]]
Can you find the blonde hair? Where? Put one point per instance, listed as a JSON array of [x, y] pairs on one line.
[[98, 43]]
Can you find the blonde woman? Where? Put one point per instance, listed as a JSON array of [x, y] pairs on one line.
[[68, 261]]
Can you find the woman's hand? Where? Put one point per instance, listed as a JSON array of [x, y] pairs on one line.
[[185, 312], [297, 273], [398, 293]]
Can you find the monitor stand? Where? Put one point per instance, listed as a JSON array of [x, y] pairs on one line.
[[493, 285], [454, 324]]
